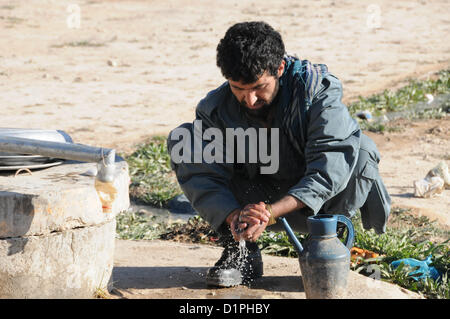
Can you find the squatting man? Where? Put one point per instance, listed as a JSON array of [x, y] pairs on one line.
[[324, 163]]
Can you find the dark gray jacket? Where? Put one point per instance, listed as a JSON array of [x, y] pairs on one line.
[[319, 147]]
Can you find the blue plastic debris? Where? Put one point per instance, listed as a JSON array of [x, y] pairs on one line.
[[364, 115], [422, 270]]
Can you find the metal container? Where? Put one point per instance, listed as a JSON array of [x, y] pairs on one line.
[[324, 260], [104, 157], [14, 161]]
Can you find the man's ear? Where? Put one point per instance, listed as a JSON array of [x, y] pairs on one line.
[[281, 68]]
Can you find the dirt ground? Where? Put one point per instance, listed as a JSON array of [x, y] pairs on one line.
[[125, 70], [114, 73], [407, 156], [180, 274]]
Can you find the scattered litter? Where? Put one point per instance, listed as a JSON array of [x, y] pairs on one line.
[[423, 270], [359, 254], [434, 182], [428, 187], [441, 170], [430, 98]]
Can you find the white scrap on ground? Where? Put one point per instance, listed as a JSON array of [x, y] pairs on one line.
[[434, 183]]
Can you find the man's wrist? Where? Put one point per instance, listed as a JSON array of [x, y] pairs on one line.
[[272, 219], [286, 205]]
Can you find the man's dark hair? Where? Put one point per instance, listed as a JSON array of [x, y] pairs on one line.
[[248, 50]]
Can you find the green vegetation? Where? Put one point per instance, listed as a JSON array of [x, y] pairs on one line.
[[403, 100], [136, 226], [395, 101]]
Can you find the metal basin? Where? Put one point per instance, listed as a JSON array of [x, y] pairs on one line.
[[14, 161]]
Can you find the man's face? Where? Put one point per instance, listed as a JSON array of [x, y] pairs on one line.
[[256, 97]]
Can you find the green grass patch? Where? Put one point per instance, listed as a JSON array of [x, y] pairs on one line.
[[137, 226], [403, 99], [152, 179], [408, 236], [412, 93]]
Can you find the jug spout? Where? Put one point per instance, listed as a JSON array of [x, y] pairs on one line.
[[295, 242]]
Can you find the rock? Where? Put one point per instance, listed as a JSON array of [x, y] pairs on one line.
[[435, 130], [112, 63], [56, 241], [57, 199], [70, 264]]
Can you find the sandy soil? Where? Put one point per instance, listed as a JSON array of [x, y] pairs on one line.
[[161, 56]]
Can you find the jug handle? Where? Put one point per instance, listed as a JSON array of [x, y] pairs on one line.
[[351, 231]]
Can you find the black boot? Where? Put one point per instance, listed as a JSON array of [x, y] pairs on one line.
[[235, 267]]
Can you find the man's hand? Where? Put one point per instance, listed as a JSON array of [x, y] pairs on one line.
[[253, 221], [233, 221], [250, 222]]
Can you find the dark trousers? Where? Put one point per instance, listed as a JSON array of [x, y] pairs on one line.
[[365, 191]]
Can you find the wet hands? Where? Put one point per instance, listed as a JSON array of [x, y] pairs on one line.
[[250, 222]]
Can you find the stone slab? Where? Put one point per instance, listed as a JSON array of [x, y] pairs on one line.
[[165, 269], [57, 199], [69, 264]]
